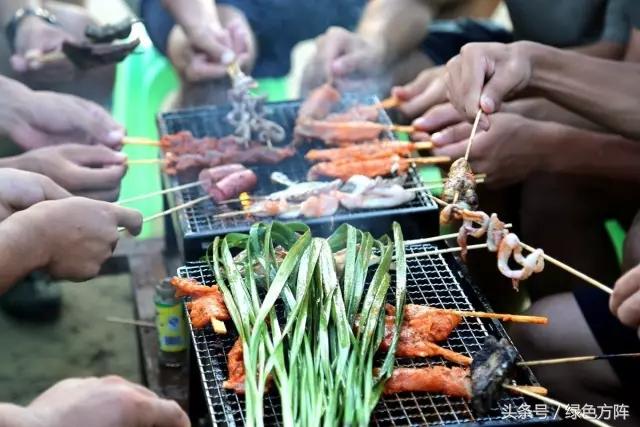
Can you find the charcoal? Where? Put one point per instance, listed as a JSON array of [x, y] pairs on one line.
[[492, 365]]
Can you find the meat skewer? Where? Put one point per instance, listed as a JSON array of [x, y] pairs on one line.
[[342, 131], [368, 151], [206, 305], [370, 168]]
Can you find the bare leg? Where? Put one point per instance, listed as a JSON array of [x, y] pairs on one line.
[[568, 334]]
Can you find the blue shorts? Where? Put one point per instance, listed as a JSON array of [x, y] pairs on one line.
[[277, 24]]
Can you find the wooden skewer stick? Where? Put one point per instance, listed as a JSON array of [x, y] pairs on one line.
[[548, 400], [437, 238], [436, 185], [140, 140], [516, 318], [171, 210], [141, 323], [572, 270], [49, 57], [422, 145], [388, 103], [577, 359], [540, 391], [159, 192], [429, 160], [145, 162], [444, 251], [473, 134], [401, 128]]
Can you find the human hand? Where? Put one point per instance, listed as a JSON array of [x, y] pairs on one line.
[[625, 300], [508, 152], [92, 171], [340, 54], [103, 402], [20, 189], [423, 93], [73, 237], [204, 53], [484, 74], [34, 39], [35, 119]]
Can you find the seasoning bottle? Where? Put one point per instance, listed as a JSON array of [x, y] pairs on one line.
[[170, 324]]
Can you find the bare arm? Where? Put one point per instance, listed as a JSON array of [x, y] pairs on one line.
[[546, 111], [606, 92], [583, 152], [192, 15], [397, 26]]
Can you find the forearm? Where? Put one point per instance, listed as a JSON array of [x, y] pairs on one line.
[[602, 49], [192, 15], [9, 7], [20, 251], [16, 416], [397, 26], [605, 92], [542, 109], [570, 150]]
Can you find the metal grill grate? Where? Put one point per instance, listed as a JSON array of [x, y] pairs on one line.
[[433, 280], [197, 224]]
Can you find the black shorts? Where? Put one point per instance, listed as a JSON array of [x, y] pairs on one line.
[[612, 336]]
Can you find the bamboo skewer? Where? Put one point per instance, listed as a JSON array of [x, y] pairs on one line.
[[572, 270], [577, 359], [133, 322], [401, 128], [516, 318], [388, 103], [145, 162], [159, 192], [555, 403], [437, 238], [562, 265], [140, 140], [171, 210], [473, 134]]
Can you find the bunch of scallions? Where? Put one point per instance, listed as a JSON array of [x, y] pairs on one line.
[[309, 326]]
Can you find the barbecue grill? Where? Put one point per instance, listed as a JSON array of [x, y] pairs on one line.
[[195, 226], [434, 279]]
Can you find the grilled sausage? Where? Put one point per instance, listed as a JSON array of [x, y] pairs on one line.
[[232, 185], [209, 177]]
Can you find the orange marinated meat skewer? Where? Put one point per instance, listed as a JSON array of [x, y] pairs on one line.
[[345, 169], [420, 330], [206, 306], [455, 381], [235, 365], [365, 151]]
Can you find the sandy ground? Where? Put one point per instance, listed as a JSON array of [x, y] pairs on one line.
[[80, 343]]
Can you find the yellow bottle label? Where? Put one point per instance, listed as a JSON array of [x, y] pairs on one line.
[[171, 327]]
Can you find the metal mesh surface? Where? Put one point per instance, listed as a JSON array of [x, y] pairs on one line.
[[199, 221], [435, 280]]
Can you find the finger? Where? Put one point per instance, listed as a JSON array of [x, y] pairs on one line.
[[104, 195], [92, 179], [347, 64], [52, 191], [499, 86], [200, 69], [96, 155], [19, 63], [438, 117], [452, 134], [433, 94], [474, 70], [331, 46], [417, 86], [626, 286], [167, 413], [239, 36], [420, 136], [629, 311], [129, 219], [455, 151], [101, 125]]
